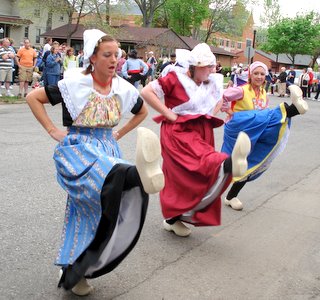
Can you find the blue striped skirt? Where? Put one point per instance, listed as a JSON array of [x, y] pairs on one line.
[[268, 131], [98, 210]]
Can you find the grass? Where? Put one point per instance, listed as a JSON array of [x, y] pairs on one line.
[[12, 100], [226, 79]]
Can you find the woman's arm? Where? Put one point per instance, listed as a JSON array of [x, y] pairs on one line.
[[36, 100], [132, 123], [50, 61], [144, 67], [148, 94], [124, 69], [230, 94], [65, 63]]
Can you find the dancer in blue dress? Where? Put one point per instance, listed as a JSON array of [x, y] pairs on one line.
[[107, 196]]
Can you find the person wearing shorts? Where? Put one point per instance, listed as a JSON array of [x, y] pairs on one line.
[[26, 61], [6, 56]]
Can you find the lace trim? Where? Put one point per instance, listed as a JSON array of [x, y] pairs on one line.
[[67, 99]]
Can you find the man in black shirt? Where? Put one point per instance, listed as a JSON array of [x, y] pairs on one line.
[[172, 61], [282, 82]]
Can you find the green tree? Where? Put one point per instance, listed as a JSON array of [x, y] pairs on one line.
[[316, 52], [271, 13], [228, 17], [184, 17], [218, 18], [201, 18], [293, 36], [148, 9]]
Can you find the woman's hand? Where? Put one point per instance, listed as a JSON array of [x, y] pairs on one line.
[[57, 134], [171, 116], [218, 107], [115, 134], [230, 83]]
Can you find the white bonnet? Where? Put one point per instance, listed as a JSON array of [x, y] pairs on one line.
[[202, 56], [91, 38]]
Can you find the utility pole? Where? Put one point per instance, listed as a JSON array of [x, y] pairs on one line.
[[253, 42]]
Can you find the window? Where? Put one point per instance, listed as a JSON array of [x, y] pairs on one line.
[[36, 13], [61, 18], [221, 42], [233, 44], [248, 43], [38, 32], [227, 43], [239, 45], [26, 32]]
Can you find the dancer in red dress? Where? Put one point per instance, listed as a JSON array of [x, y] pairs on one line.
[[195, 173]]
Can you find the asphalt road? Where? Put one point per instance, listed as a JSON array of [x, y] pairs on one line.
[[270, 250]]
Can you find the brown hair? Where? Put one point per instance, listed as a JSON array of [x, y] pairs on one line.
[[69, 50], [105, 38]]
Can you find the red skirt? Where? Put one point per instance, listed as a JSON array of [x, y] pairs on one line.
[[191, 167]]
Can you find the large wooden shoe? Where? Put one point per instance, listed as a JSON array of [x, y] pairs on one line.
[[234, 203], [239, 155], [82, 288], [148, 155], [297, 100], [177, 227]]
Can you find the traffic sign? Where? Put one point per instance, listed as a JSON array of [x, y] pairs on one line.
[[249, 52]]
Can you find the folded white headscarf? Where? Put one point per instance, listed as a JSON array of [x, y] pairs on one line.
[[257, 64], [200, 56], [90, 41]]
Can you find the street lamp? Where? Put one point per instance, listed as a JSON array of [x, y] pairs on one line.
[[253, 42]]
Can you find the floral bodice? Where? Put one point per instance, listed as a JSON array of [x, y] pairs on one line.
[[100, 111]]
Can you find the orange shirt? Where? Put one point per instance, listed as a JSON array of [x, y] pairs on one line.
[[26, 57]]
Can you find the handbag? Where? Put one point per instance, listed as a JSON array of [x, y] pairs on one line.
[[304, 82]]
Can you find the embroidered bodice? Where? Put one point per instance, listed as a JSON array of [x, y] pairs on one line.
[[100, 111]]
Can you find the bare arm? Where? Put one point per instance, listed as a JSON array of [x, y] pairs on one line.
[[36, 100], [152, 99], [132, 123]]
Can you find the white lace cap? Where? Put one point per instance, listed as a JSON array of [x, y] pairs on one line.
[[91, 38], [202, 56]]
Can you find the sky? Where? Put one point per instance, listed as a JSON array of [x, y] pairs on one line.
[[290, 8]]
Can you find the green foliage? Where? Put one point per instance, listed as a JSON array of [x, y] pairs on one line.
[[237, 19], [183, 16], [148, 9], [293, 36], [271, 13]]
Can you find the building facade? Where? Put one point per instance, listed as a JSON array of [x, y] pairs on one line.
[[18, 20]]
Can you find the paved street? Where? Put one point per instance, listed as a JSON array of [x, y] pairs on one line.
[[270, 250]]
